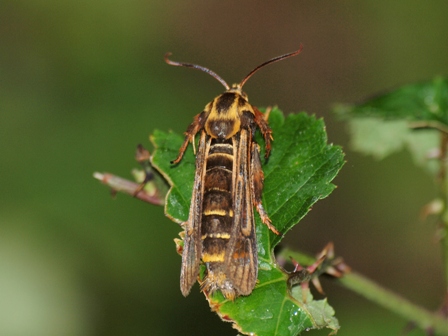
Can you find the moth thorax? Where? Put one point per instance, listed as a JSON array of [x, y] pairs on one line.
[[223, 129], [223, 121]]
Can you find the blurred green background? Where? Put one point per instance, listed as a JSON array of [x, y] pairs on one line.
[[83, 82]]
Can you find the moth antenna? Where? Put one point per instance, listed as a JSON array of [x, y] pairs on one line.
[[198, 67], [275, 59]]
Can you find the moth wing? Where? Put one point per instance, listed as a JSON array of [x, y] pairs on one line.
[[191, 255], [241, 257]]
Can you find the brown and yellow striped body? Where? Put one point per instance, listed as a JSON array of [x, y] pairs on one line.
[[228, 183], [217, 206], [217, 215]]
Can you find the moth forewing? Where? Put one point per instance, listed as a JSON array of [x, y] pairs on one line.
[[242, 261], [192, 251]]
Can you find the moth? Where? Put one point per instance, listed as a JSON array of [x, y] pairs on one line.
[[228, 184]]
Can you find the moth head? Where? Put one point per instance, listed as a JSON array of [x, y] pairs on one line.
[[237, 89]]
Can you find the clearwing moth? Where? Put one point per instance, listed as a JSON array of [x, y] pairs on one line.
[[228, 184]]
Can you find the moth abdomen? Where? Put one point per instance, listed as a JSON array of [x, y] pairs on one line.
[[217, 214]]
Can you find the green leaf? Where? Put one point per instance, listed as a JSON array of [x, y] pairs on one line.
[[298, 173], [409, 117], [381, 138], [425, 101]]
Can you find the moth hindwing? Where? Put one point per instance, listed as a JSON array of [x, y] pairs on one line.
[[228, 184]]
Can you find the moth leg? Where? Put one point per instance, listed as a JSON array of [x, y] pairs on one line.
[[267, 113], [195, 126], [266, 131], [257, 187]]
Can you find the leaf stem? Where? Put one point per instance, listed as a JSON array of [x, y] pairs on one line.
[[386, 298]]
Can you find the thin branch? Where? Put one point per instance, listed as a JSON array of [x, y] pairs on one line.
[[131, 188], [386, 298], [429, 124]]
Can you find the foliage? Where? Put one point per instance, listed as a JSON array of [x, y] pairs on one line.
[[415, 117], [408, 117], [297, 174]]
